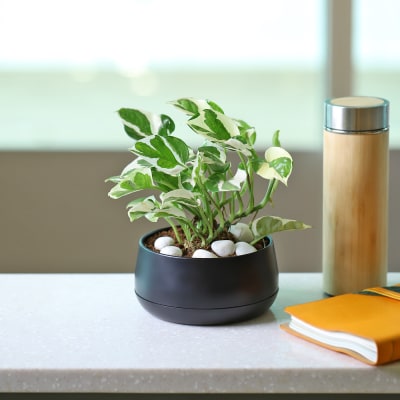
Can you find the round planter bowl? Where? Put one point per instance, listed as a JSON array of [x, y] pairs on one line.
[[206, 291]]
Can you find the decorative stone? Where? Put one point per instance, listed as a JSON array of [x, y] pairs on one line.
[[171, 251], [223, 248], [243, 248], [163, 241], [242, 232], [201, 253]]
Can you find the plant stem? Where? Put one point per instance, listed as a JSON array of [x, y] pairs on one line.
[[175, 229]]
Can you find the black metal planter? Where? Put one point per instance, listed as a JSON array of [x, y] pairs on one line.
[[206, 291]]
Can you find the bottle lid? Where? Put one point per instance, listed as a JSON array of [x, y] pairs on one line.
[[357, 114]]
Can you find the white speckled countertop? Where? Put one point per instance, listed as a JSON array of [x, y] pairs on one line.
[[87, 333]]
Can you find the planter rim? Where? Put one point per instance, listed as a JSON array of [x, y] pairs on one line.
[[268, 243]]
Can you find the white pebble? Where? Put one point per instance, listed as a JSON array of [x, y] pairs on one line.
[[243, 248], [201, 253], [242, 232], [171, 251], [163, 241], [223, 248]]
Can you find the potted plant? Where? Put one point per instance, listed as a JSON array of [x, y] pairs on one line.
[[215, 262]]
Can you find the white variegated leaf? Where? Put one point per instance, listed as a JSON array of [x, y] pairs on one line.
[[167, 212], [146, 205], [141, 207], [136, 164], [267, 225], [273, 153], [239, 146], [196, 169], [153, 119], [220, 128], [132, 181], [156, 157], [191, 106], [235, 183], [182, 196], [212, 153], [131, 174], [278, 165]]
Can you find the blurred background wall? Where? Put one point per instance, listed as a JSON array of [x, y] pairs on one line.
[[64, 72]]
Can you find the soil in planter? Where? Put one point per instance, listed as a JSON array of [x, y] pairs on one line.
[[188, 248]]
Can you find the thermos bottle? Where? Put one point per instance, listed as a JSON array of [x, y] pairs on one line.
[[355, 194]]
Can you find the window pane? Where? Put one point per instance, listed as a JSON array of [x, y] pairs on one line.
[[66, 66], [377, 55]]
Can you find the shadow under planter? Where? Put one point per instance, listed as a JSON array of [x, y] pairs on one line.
[[206, 291]]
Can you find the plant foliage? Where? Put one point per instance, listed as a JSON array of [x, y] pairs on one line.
[[199, 189]]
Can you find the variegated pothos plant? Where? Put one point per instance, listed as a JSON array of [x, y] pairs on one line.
[[199, 189]]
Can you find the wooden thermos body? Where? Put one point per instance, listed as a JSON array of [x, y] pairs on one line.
[[355, 209]]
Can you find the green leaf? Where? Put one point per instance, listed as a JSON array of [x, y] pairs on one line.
[[136, 164], [165, 153], [165, 181], [188, 105], [132, 182], [139, 124], [180, 148], [121, 189], [170, 212], [213, 154], [215, 106], [283, 166], [192, 106], [180, 196], [212, 182], [237, 145], [267, 225], [140, 200], [150, 208], [145, 150], [239, 178], [220, 168], [228, 186], [251, 136], [166, 158], [275, 139], [218, 182], [247, 132], [114, 179], [141, 207], [214, 125], [142, 179], [167, 125], [278, 165], [136, 123]]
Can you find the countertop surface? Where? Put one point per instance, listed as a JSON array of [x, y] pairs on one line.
[[66, 333]]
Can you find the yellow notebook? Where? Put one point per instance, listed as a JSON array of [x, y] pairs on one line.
[[364, 325]]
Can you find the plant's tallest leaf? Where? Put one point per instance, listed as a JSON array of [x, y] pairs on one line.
[[214, 125]]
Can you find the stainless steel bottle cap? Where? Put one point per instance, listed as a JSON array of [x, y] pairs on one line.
[[357, 114]]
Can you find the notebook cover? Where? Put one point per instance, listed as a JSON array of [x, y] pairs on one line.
[[372, 316]]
